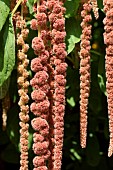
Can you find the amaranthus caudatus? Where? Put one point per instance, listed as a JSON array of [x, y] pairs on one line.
[[85, 70], [55, 61], [49, 81], [23, 83], [108, 40]]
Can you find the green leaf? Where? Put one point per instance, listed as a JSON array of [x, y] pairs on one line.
[[102, 85], [71, 101], [92, 151], [10, 154], [75, 154], [72, 41], [73, 31], [7, 51], [100, 4], [13, 125], [30, 5], [4, 11], [71, 7], [4, 88]]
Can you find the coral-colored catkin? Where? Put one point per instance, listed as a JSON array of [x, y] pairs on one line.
[[85, 70], [57, 21], [95, 8], [108, 40], [23, 84], [40, 84]]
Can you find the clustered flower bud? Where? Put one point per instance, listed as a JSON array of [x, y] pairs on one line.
[[108, 37], [40, 20], [85, 70], [40, 84], [48, 83], [22, 90], [57, 21]]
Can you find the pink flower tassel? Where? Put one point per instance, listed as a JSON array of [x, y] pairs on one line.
[[40, 84], [85, 70], [108, 40], [57, 21]]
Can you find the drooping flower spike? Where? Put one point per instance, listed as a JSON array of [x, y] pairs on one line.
[[22, 63], [40, 84], [57, 21], [85, 69], [108, 40], [50, 69]]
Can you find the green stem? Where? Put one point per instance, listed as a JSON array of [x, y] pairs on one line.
[[71, 61], [95, 52]]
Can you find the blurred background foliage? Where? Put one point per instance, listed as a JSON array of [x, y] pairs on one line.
[[94, 156]]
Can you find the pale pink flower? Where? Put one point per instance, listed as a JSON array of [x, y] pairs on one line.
[[38, 45], [38, 95], [36, 65], [34, 24], [41, 19]]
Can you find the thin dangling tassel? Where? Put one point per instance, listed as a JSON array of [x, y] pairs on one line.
[[22, 63], [85, 70], [108, 40], [57, 22]]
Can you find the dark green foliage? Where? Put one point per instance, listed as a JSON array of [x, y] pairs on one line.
[[30, 5], [7, 50], [71, 8], [4, 11]]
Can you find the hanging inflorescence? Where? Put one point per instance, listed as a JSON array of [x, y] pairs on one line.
[[48, 84], [57, 22], [23, 83], [85, 69], [108, 40], [49, 79], [40, 84]]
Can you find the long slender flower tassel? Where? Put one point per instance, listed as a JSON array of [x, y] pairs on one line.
[[108, 40], [85, 70], [95, 8], [23, 89], [57, 22], [40, 84]]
